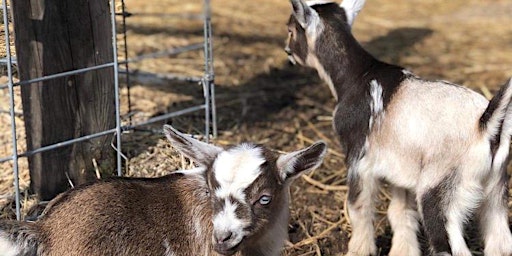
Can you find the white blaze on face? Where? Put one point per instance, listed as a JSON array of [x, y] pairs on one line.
[[226, 220], [235, 170]]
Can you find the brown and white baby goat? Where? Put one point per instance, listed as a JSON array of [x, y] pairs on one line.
[[442, 147], [236, 201]]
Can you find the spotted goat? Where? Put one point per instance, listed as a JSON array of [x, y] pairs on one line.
[[235, 203], [442, 147]]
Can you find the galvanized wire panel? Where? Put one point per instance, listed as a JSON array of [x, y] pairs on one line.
[[207, 82], [11, 106]]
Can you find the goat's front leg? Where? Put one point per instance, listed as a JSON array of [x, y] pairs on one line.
[[403, 218], [494, 216], [362, 190]]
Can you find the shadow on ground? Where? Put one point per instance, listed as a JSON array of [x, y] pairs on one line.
[[266, 94]]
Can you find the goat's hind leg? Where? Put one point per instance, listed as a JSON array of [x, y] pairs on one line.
[[362, 190], [493, 216], [403, 218], [445, 209], [432, 210]]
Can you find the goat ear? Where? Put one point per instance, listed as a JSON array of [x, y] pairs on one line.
[[292, 164], [305, 15], [352, 9], [198, 151]]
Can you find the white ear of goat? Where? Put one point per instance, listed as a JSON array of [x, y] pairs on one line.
[[352, 9]]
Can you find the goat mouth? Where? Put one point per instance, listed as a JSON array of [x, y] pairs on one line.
[[225, 250]]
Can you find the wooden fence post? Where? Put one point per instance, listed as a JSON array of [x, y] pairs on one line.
[[52, 37]]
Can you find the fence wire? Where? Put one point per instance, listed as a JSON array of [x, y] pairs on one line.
[[207, 83]]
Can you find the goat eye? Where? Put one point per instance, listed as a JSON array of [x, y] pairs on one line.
[[264, 200]]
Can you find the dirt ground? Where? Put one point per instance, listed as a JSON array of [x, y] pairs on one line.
[[261, 98]]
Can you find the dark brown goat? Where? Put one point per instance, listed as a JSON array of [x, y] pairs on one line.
[[235, 202]]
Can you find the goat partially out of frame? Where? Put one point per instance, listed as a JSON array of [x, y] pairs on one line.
[[235, 202], [442, 147]]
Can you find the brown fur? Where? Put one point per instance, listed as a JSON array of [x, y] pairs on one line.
[[107, 218], [178, 214]]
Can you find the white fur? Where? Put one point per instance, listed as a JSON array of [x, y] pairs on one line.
[[407, 72], [193, 171], [7, 248], [466, 197], [361, 212], [404, 222], [429, 131], [285, 164], [227, 221], [493, 213], [236, 169], [415, 151], [377, 104], [361, 215], [496, 236], [377, 100], [352, 9], [315, 2]]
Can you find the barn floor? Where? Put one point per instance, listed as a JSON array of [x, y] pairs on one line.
[[261, 98]]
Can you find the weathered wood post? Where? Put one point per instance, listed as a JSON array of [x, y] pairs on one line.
[[52, 37]]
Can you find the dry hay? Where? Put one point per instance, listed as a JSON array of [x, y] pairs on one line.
[[262, 99]]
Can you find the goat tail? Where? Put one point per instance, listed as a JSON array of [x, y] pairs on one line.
[[496, 122], [18, 238]]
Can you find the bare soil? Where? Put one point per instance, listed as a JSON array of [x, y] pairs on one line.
[[261, 98]]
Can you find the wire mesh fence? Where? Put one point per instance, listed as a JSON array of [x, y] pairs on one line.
[[118, 18]]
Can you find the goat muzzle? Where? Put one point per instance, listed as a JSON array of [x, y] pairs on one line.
[[226, 243], [291, 59]]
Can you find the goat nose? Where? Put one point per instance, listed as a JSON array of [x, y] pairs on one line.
[[223, 237]]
